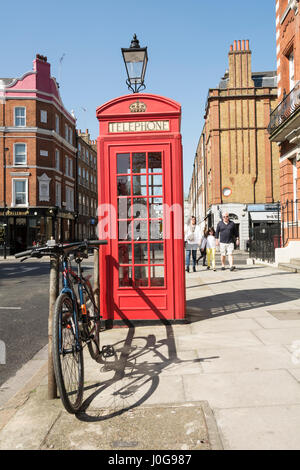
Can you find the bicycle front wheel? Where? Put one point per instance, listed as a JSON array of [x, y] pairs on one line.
[[67, 354]]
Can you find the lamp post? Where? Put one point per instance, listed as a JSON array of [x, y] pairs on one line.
[[135, 59]]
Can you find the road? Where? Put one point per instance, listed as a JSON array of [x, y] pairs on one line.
[[24, 305]]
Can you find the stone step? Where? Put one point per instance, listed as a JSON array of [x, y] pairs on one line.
[[294, 268], [295, 261]]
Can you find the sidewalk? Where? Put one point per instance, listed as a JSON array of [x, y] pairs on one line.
[[228, 379]]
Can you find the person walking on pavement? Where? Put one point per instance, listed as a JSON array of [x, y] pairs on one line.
[[211, 248], [192, 240], [226, 230], [203, 248]]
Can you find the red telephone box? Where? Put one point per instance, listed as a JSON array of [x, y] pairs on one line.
[[140, 209]]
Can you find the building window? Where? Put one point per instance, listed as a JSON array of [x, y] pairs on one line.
[[69, 198], [20, 117], [80, 203], [44, 183], [20, 192], [57, 123], [291, 70], [70, 136], [68, 167], [20, 154], [44, 116], [58, 194], [57, 159], [66, 132]]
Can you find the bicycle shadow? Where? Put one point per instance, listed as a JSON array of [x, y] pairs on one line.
[[135, 378]]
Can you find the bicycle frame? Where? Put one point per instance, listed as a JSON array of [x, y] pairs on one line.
[[67, 289]]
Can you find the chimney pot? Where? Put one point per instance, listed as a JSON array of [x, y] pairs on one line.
[[239, 45], [234, 45], [243, 44], [231, 48], [247, 44]]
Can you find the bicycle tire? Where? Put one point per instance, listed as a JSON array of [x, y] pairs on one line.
[[67, 357], [92, 326]]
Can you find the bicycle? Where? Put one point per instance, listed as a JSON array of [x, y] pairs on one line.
[[76, 321]]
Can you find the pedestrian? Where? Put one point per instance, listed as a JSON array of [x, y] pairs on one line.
[[203, 247], [227, 231], [211, 248], [192, 240]]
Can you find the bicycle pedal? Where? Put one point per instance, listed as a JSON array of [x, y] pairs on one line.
[[95, 318], [107, 351]]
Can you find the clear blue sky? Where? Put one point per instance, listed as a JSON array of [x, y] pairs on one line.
[[188, 43]]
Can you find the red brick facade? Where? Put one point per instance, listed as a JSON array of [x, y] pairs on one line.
[[285, 119], [37, 160]]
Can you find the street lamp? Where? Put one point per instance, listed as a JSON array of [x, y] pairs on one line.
[[135, 59]]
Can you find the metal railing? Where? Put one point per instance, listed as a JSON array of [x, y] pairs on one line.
[[264, 239], [285, 109], [290, 221]]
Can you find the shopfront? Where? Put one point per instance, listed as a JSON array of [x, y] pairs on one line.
[[23, 228], [141, 209]]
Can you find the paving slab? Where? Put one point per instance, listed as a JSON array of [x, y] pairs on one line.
[[248, 358], [247, 389], [210, 339], [227, 324], [278, 335], [140, 428], [262, 428], [272, 322]]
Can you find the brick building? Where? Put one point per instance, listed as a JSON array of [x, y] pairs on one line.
[[37, 161], [239, 164], [284, 124], [87, 199]]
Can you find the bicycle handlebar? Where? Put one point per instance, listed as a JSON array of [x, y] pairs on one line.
[[24, 253], [58, 249]]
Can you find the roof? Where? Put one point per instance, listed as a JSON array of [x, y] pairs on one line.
[[261, 80]]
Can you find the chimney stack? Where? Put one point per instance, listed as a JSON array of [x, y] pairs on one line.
[[240, 73]]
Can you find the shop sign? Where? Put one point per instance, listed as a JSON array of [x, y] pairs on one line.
[[139, 126], [11, 212], [264, 216], [64, 215]]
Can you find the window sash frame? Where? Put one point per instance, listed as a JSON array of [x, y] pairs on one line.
[[19, 117], [25, 154], [14, 193]]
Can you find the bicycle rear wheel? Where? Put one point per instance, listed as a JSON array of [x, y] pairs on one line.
[[67, 354], [92, 325]]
